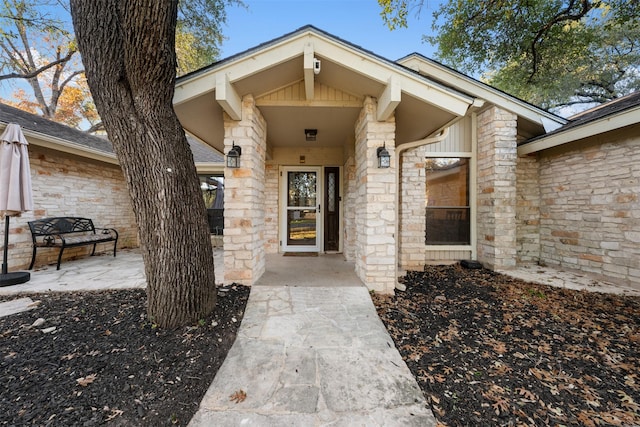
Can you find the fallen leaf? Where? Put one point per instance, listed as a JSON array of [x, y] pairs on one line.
[[85, 381], [501, 406], [527, 394], [238, 396], [627, 401], [585, 419], [114, 413]]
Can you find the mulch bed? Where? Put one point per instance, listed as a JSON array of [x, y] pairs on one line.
[[487, 349], [105, 363]]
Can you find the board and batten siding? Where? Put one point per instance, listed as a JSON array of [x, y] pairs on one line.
[[295, 93], [459, 140]]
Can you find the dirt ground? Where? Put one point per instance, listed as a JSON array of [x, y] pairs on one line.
[[487, 349], [105, 363]]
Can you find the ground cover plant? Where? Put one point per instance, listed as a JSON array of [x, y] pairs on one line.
[[105, 362], [487, 349]]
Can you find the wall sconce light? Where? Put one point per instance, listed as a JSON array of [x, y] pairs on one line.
[[384, 158], [233, 157], [310, 134]]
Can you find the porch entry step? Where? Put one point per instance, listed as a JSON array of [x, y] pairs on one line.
[[300, 254]]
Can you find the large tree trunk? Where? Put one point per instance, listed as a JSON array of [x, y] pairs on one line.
[[128, 51]]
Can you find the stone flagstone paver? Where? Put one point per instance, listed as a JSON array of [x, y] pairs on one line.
[[16, 306], [313, 357]]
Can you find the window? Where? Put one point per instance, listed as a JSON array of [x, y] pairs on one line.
[[213, 194], [447, 201]]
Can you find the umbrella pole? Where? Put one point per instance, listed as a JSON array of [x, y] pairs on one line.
[[5, 255], [17, 277]]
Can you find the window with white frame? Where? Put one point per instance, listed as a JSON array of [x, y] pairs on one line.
[[448, 212]]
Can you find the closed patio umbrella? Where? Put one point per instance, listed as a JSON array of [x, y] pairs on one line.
[[218, 203], [15, 191]]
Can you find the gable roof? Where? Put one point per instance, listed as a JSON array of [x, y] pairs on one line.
[[607, 109], [425, 96], [612, 115], [57, 136], [286, 64], [467, 84]]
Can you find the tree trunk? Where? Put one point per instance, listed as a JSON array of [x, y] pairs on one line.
[[129, 56]]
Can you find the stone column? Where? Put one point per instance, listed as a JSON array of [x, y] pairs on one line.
[[244, 204], [375, 210], [350, 194], [497, 155], [412, 228]]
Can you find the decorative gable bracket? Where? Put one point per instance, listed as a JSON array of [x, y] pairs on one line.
[[228, 98], [389, 99], [308, 72]]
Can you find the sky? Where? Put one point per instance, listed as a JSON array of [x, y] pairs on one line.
[[355, 21]]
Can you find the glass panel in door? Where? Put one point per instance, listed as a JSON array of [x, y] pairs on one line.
[[302, 211]]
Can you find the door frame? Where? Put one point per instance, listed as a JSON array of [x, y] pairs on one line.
[[284, 208], [338, 212]]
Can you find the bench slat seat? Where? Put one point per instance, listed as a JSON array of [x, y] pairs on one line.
[[87, 238], [66, 232]]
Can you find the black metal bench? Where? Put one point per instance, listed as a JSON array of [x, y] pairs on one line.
[[68, 232]]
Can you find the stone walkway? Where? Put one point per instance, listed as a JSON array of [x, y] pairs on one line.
[[313, 356]]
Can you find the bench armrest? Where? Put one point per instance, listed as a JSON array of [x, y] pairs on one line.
[[112, 231]]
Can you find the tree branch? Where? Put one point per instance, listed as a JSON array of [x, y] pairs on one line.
[[68, 79], [36, 72], [561, 16], [96, 127]]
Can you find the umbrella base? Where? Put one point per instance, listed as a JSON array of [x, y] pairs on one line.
[[14, 278]]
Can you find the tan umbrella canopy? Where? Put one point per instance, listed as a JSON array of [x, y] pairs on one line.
[[15, 190]]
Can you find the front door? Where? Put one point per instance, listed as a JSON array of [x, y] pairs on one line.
[[301, 209]]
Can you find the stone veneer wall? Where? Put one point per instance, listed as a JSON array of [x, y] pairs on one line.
[[65, 185], [412, 209], [528, 210], [244, 209], [590, 207], [497, 154], [375, 202], [349, 238]]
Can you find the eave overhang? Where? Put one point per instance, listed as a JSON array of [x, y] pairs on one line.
[[39, 139], [593, 128], [475, 88]]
